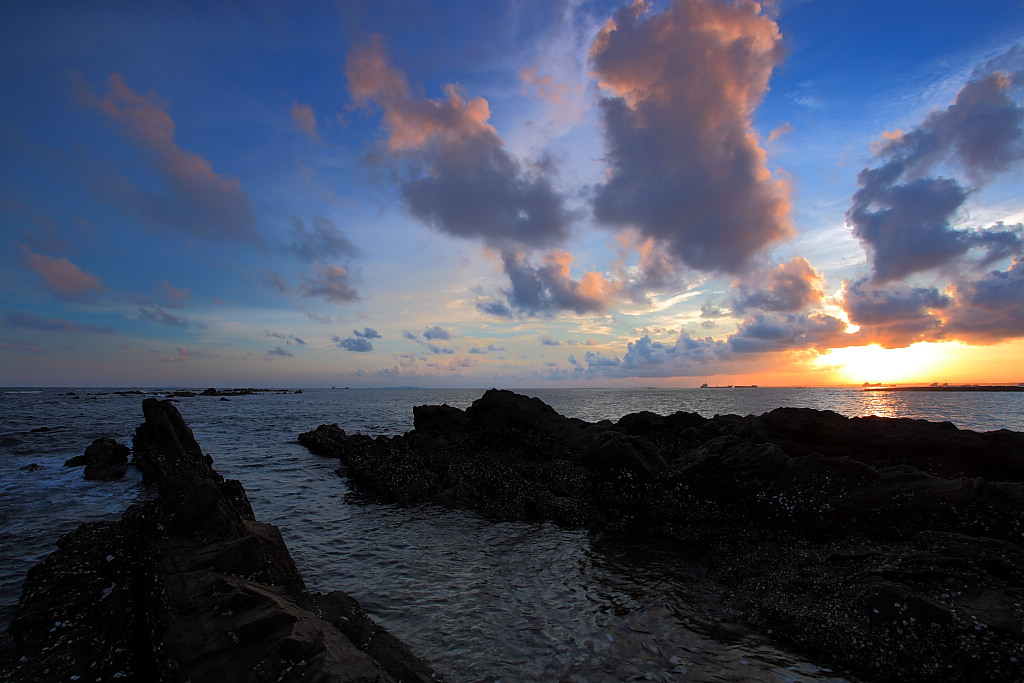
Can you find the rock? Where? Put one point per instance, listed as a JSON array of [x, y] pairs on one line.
[[891, 548], [188, 586], [105, 460]]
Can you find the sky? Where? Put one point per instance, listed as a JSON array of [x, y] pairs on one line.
[[513, 193]]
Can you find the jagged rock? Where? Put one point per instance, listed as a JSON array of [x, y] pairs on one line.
[[324, 440], [892, 548], [187, 587]]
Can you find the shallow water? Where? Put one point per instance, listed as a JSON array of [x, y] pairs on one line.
[[512, 601]]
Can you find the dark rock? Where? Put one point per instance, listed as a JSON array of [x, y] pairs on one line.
[[188, 586], [32, 467], [891, 548], [39, 430], [104, 460]]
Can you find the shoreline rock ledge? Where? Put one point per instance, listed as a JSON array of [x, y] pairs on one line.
[[189, 587], [890, 548]]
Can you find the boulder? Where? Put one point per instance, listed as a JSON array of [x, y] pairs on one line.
[[105, 460]]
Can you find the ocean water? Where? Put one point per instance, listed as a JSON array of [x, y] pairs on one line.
[[479, 600]]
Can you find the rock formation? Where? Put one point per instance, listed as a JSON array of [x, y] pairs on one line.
[[104, 460], [189, 587], [892, 548]]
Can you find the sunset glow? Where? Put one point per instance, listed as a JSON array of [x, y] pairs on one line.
[[598, 193]]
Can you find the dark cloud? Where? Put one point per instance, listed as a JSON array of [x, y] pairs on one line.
[[196, 199], [686, 167], [159, 315], [905, 217], [459, 178], [324, 241], [495, 308], [278, 351], [367, 333], [440, 350], [288, 338], [330, 282], [768, 332], [436, 332], [411, 335], [34, 322], [547, 340], [357, 344], [895, 315], [989, 309], [488, 349], [789, 287], [547, 288]]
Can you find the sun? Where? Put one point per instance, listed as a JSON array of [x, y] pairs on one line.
[[915, 363]]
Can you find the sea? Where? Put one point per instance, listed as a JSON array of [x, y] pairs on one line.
[[480, 600]]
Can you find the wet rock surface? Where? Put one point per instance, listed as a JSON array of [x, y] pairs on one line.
[[889, 548], [189, 586]]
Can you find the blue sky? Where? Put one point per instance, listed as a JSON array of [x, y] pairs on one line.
[[511, 193]]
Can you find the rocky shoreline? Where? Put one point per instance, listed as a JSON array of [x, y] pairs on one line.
[[189, 587], [892, 549]]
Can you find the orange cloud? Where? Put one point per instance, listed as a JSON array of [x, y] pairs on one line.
[[199, 200], [686, 167], [62, 277], [304, 119]]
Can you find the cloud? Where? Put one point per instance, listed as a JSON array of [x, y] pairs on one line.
[[63, 278], [330, 282], [158, 315], [895, 315], [197, 200], [644, 357], [990, 308], [411, 335], [789, 287], [322, 242], [437, 332], [34, 322], [904, 217], [20, 345], [495, 308], [367, 333], [769, 332], [304, 119], [686, 167], [459, 177], [547, 340], [484, 350], [275, 281], [278, 351], [785, 129], [547, 288], [288, 338], [174, 294], [357, 344], [440, 350]]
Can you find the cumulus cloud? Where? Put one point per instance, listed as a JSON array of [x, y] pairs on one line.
[[769, 332], [322, 241], [436, 332], [460, 178], [330, 282], [548, 288], [304, 119], [367, 333], [63, 278], [32, 321], [686, 167], [990, 308], [789, 287], [357, 344], [197, 200], [548, 340], [904, 217], [896, 314], [278, 351]]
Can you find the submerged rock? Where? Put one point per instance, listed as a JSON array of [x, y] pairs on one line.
[[891, 548], [188, 586]]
